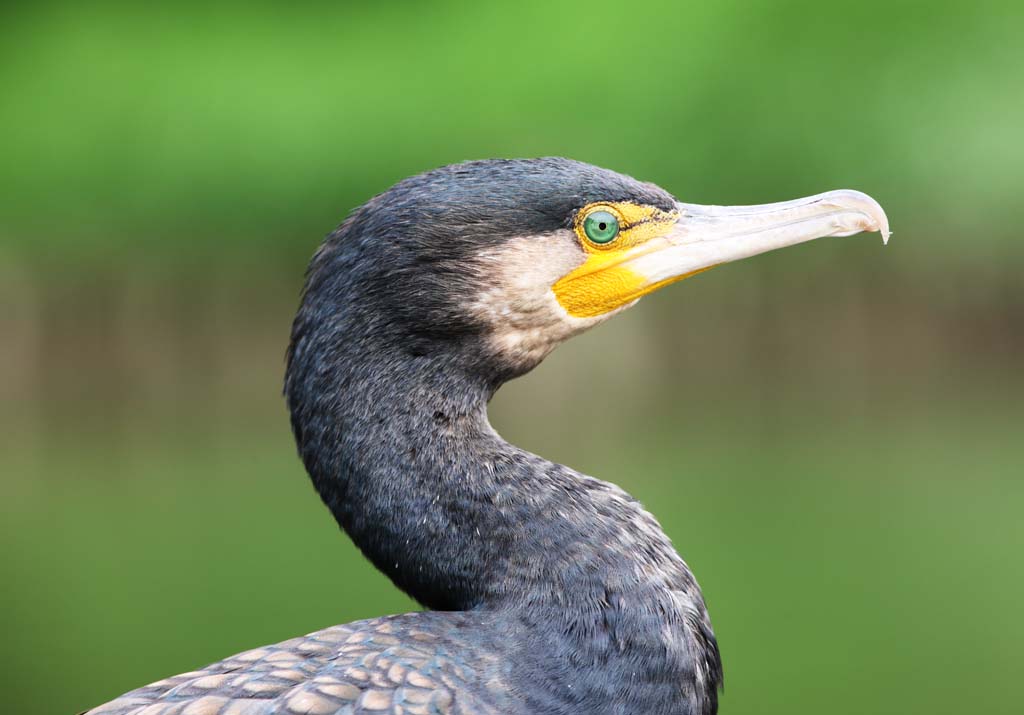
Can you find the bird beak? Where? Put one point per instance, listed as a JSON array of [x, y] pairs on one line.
[[694, 238], [707, 236]]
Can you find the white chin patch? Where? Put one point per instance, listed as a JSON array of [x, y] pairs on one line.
[[516, 298]]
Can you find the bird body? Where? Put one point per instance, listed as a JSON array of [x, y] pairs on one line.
[[551, 592]]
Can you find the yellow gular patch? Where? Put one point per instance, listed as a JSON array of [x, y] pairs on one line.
[[604, 281]]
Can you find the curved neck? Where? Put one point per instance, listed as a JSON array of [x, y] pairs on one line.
[[401, 451]]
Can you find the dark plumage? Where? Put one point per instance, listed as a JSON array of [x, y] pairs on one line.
[[388, 381], [552, 592]]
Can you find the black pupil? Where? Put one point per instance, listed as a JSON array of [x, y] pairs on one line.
[[602, 225]]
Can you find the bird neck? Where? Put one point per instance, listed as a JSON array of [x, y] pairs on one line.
[[402, 453]]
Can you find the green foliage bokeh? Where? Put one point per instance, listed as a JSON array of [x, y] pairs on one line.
[[829, 434]]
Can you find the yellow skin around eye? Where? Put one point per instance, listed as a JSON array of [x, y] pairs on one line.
[[637, 224], [604, 281]]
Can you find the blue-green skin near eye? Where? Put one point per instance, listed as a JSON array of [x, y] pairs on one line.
[[601, 227]]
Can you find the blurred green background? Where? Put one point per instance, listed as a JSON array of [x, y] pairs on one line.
[[831, 434]]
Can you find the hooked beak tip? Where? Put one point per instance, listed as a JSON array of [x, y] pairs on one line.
[[874, 216]]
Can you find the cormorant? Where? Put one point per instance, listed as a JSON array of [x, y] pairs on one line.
[[549, 591]]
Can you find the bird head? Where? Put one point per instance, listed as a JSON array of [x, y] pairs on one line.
[[499, 261]]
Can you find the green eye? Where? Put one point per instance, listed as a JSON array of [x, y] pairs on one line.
[[601, 226]]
